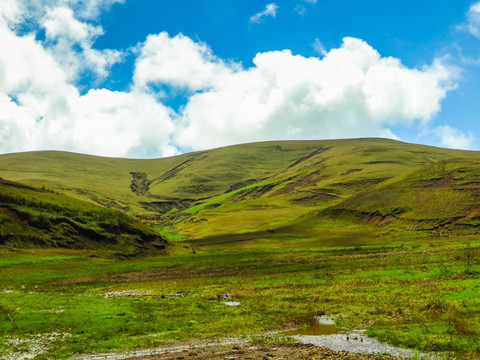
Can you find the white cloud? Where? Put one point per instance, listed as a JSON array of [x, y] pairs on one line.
[[69, 39], [177, 61], [112, 124], [65, 34], [351, 92], [453, 138], [270, 10], [28, 68], [41, 109], [319, 47], [473, 20], [89, 9], [16, 125], [311, 1], [9, 12], [35, 9]]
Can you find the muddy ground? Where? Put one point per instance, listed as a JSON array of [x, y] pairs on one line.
[[262, 352]]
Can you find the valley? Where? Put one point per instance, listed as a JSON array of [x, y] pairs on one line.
[[381, 234]]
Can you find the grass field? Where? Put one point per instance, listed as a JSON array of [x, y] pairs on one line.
[[423, 295], [382, 234]]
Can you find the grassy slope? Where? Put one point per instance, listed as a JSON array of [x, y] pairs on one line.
[[30, 216], [291, 200], [361, 232], [245, 188], [186, 177]]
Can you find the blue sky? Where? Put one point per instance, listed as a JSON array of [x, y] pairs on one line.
[[142, 78]]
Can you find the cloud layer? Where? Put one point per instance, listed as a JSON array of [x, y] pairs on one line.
[[352, 91], [349, 91]]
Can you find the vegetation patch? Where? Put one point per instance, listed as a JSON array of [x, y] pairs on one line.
[[291, 230]]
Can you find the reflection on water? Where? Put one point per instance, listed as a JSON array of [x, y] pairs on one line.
[[317, 329]]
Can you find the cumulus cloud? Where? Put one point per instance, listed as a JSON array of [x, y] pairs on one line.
[[111, 123], [35, 9], [270, 10], [473, 20], [352, 91], [41, 109], [9, 12], [65, 34], [453, 138], [177, 61], [349, 91]]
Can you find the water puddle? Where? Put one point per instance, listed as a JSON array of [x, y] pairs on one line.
[[324, 326], [326, 334]]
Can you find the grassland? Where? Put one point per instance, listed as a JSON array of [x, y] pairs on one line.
[[423, 295], [380, 233]]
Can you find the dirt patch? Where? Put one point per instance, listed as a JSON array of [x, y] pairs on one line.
[[383, 162], [318, 195], [307, 182], [350, 171], [140, 185], [380, 220], [309, 156], [11, 214], [263, 352]]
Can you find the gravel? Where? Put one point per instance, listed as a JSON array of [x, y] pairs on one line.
[[357, 342]]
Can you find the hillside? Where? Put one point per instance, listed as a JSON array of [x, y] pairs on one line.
[[298, 188], [143, 187], [35, 217], [379, 234]]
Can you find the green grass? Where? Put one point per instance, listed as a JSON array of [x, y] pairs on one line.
[[343, 166], [424, 297], [32, 217], [218, 200], [381, 233]]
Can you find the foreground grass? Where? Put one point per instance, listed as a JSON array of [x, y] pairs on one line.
[[424, 297]]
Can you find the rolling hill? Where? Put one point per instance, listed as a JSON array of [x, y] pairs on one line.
[[38, 217], [303, 189], [380, 234]]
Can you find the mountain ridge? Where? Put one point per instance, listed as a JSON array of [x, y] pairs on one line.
[[248, 188]]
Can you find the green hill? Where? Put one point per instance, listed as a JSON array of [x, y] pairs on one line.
[[36, 217], [379, 233], [298, 188]]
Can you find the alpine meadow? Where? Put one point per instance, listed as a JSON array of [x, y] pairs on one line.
[[239, 180], [109, 254]]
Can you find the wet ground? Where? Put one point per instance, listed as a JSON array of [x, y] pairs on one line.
[[326, 334], [320, 341], [264, 352]]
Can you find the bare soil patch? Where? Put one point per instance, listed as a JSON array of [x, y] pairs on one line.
[[263, 352]]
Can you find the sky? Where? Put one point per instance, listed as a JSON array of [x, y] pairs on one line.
[[148, 79]]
